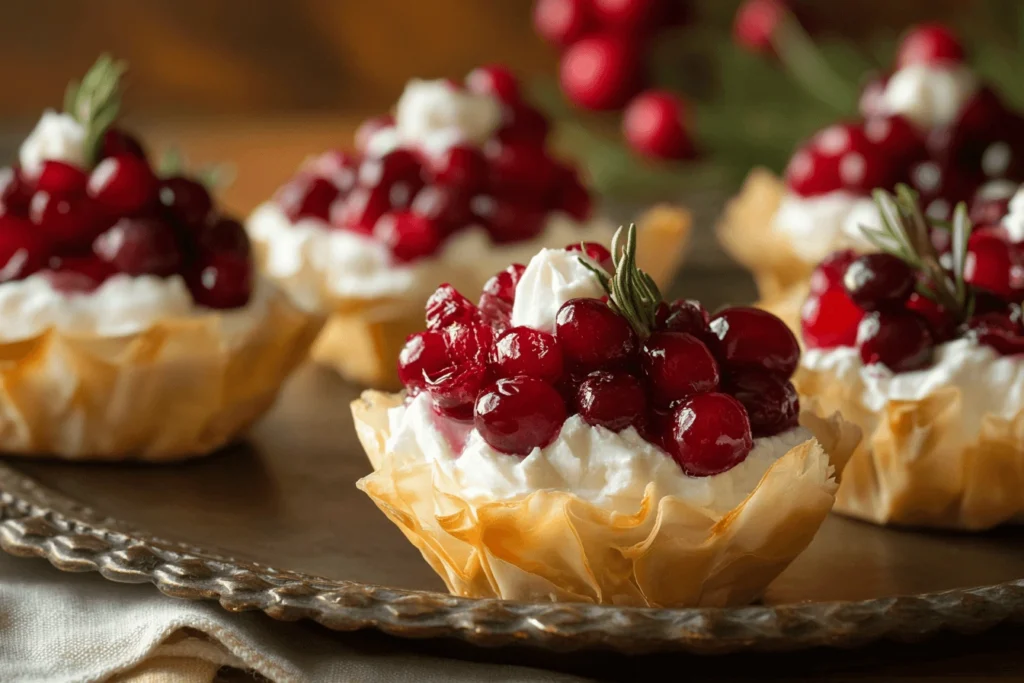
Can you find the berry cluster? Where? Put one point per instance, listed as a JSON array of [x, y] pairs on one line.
[[699, 387], [79, 226], [603, 44], [412, 201], [945, 165]]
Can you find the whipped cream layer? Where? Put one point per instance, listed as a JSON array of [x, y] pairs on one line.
[[1013, 221], [989, 383], [611, 470], [815, 227], [317, 264], [552, 277], [123, 305]]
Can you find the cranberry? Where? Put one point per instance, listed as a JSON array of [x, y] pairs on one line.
[[929, 44], [495, 312], [70, 223], [508, 220], [59, 178], [941, 323], [656, 428], [525, 351], [399, 165], [710, 434], [494, 80], [829, 273], [520, 169], [225, 236], [654, 125], [123, 184], [446, 207], [423, 355], [872, 98], [370, 127], [596, 252], [186, 200], [575, 198], [523, 123], [140, 246], [15, 193], [446, 306], [471, 342], [756, 23], [613, 400], [877, 281], [220, 280], [899, 340], [999, 331], [409, 236], [117, 142], [462, 167], [306, 197], [752, 339], [503, 285], [684, 315], [78, 273], [677, 365], [339, 167], [360, 211], [517, 414], [993, 264], [593, 335], [454, 388], [771, 402], [812, 172], [991, 202], [830, 319], [600, 71], [562, 22], [23, 250], [941, 187], [896, 144]]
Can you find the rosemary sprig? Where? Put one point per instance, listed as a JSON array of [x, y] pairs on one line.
[[904, 234], [96, 101], [631, 292]]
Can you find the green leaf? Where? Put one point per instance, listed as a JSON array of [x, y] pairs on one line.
[[96, 102]]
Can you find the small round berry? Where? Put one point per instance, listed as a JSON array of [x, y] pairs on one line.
[[73, 274], [993, 263], [677, 365], [15, 193], [461, 167], [929, 44], [117, 142], [305, 197], [23, 250], [654, 125], [1001, 331], [409, 236], [633, 16], [140, 246], [877, 281], [59, 178], [613, 400], [830, 319], [525, 351], [70, 223], [503, 285], [899, 340], [517, 414], [710, 434], [600, 72], [495, 80], [941, 323], [755, 25], [772, 403], [561, 22], [424, 355], [446, 306], [370, 127], [684, 315], [454, 389], [829, 273], [592, 335], [221, 280], [596, 252], [752, 339], [575, 199], [470, 342], [123, 184], [523, 123], [186, 200]]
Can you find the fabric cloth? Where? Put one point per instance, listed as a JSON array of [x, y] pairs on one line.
[[59, 627]]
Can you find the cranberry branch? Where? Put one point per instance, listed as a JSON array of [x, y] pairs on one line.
[[96, 101], [632, 293]]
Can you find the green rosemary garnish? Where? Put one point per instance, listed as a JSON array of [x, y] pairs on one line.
[[95, 102], [904, 234], [631, 292]]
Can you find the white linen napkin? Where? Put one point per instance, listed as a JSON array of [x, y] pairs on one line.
[[59, 627]]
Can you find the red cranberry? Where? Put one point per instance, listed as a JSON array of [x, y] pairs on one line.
[[123, 184], [941, 323], [756, 23], [613, 400], [929, 44], [634, 16], [446, 207], [470, 342], [941, 187], [339, 167], [523, 123], [896, 144], [517, 414], [654, 125], [424, 355], [592, 335], [710, 434], [829, 273], [454, 389], [220, 280], [771, 402], [446, 306], [525, 351], [575, 199], [814, 171], [409, 236], [899, 340], [370, 127], [70, 223], [562, 22], [508, 220], [140, 246], [684, 315], [677, 365], [872, 98], [23, 250], [752, 339], [461, 167], [495, 312], [59, 178], [186, 200], [78, 274], [993, 264], [597, 253], [520, 169], [830, 319], [877, 281], [15, 193], [600, 71], [117, 142], [360, 211], [398, 165], [494, 80], [225, 236], [306, 197], [991, 202], [998, 330], [503, 285]]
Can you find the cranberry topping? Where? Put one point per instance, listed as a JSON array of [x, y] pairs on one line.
[[15, 193], [991, 202], [877, 281], [307, 197], [940, 322], [575, 199], [494, 80], [771, 402], [592, 335], [517, 414], [899, 340], [561, 22], [221, 280], [423, 355], [408, 235], [370, 127], [187, 201], [683, 315], [462, 167], [710, 434], [654, 124], [117, 142], [140, 246], [677, 365], [23, 250], [509, 220], [755, 24], [752, 339], [123, 184], [59, 178], [70, 223], [929, 44], [446, 306], [829, 273], [503, 285], [523, 123], [1001, 331], [525, 351], [613, 400], [597, 253], [830, 319], [361, 209], [993, 263], [78, 274], [600, 71]]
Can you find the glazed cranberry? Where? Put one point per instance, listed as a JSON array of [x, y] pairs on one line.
[[123, 184], [654, 125], [494, 80], [561, 22], [752, 339], [423, 355], [771, 402], [613, 400], [186, 200], [993, 264], [596, 252], [225, 236], [830, 319], [877, 281], [872, 98], [409, 236], [520, 169], [362, 208], [940, 322], [221, 280], [503, 285], [517, 414], [460, 166], [306, 197], [592, 335], [677, 365], [59, 178], [896, 141], [999, 331], [447, 207], [117, 142], [829, 273], [941, 187], [628, 15], [929, 44], [521, 123], [471, 342], [525, 351], [370, 127], [508, 220], [991, 202], [454, 390], [23, 250], [15, 193], [71, 223], [397, 165], [574, 198], [899, 340], [78, 273], [446, 306], [710, 434], [683, 315], [811, 172], [600, 71], [495, 312], [339, 167], [140, 246], [755, 24]]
